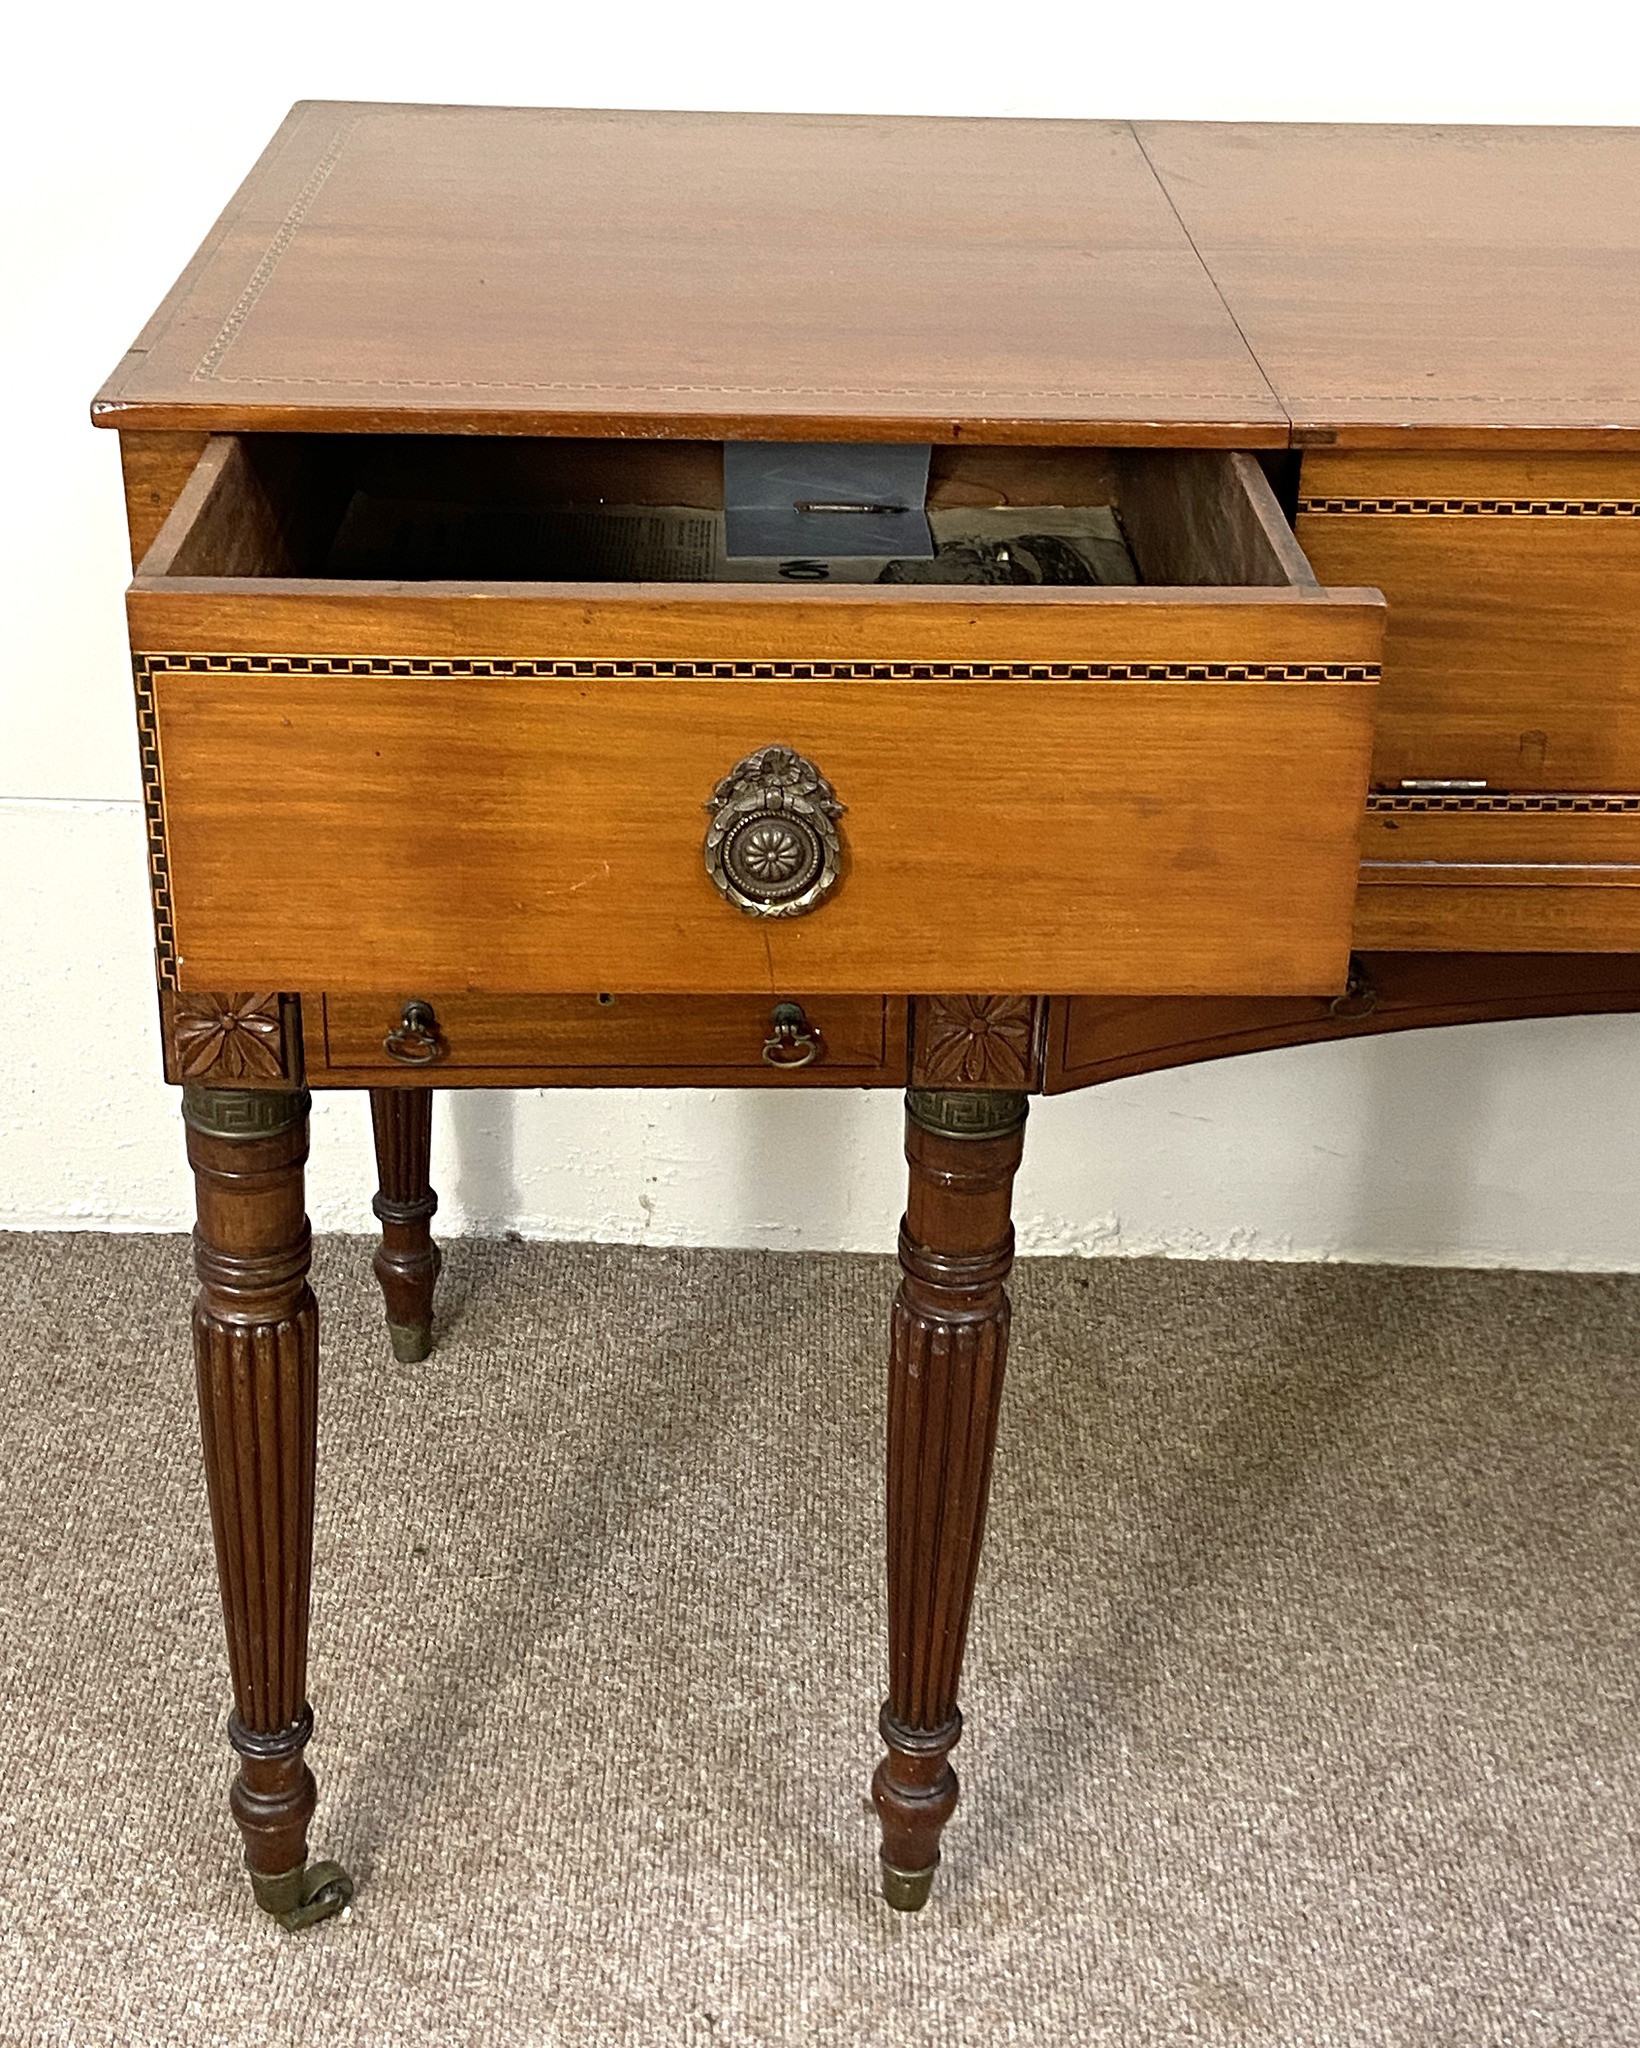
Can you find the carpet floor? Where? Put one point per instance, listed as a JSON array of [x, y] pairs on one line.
[[1302, 1696]]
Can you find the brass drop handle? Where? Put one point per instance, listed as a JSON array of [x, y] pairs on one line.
[[1359, 999], [414, 1041], [793, 1041], [772, 847]]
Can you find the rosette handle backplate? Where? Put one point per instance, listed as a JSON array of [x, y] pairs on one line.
[[773, 848]]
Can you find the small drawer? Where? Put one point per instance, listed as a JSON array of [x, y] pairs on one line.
[[1484, 873], [643, 1037], [368, 781]]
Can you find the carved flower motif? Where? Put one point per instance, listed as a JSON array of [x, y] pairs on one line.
[[976, 1042], [229, 1038]]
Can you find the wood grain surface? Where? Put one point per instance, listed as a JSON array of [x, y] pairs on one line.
[[682, 1054], [1528, 873], [225, 575], [1451, 286]]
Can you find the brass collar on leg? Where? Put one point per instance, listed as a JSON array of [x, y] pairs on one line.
[[967, 1112], [243, 1112]]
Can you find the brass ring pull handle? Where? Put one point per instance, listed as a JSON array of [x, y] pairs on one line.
[[773, 847], [414, 1041], [793, 1041]]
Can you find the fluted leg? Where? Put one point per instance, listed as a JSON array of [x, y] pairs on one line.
[[407, 1261], [950, 1343], [256, 1352]]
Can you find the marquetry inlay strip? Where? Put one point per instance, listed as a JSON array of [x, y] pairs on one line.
[[1483, 508], [578, 670], [153, 809], [1562, 804]]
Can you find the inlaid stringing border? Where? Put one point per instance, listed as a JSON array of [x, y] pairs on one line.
[[146, 667], [210, 362], [1482, 508]]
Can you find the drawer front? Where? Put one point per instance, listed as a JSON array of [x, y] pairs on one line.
[[640, 1036], [1528, 873], [1512, 654], [511, 824]]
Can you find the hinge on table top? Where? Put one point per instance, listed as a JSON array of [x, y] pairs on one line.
[[1438, 785]]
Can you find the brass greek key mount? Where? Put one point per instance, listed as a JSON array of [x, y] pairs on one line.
[[773, 848]]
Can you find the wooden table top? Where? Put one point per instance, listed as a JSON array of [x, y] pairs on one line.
[[509, 270], [1424, 284]]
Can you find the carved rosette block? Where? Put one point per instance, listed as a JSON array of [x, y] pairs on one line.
[[407, 1261], [975, 1042], [256, 1355], [948, 1351], [231, 1041]]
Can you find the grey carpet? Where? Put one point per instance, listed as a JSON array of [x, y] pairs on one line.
[[1302, 1698]]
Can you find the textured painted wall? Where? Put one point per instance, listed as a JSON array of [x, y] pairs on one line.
[[1501, 1144]]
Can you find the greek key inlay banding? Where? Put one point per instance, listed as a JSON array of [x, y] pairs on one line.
[[1482, 508]]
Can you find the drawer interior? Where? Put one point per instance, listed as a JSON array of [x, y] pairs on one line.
[[431, 509]]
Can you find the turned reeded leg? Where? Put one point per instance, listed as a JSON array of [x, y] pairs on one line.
[[407, 1261], [950, 1342], [256, 1351]]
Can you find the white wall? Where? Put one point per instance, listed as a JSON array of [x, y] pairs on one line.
[[125, 131]]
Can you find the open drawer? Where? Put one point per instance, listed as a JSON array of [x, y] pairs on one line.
[[386, 779]]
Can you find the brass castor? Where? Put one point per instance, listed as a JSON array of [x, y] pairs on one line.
[[412, 1342], [907, 1890], [304, 1896]]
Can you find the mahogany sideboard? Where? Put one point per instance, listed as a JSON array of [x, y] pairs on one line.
[[1355, 747]]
